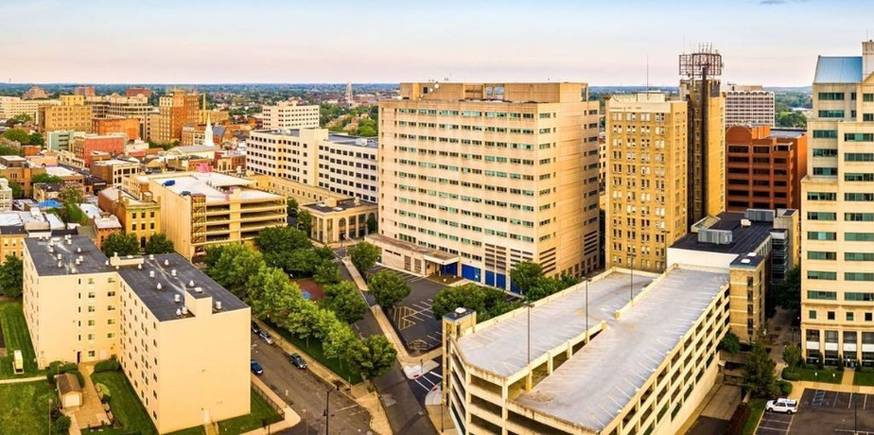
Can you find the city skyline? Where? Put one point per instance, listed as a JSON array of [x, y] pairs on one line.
[[382, 42]]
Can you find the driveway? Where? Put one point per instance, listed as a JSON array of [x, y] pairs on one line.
[[306, 394], [413, 319]]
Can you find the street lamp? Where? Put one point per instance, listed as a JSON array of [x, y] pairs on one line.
[[328, 409], [631, 289], [587, 308]]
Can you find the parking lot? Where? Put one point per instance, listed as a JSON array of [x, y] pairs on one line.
[[413, 319], [823, 412]]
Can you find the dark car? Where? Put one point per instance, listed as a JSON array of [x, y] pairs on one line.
[[297, 361], [256, 368], [255, 328]]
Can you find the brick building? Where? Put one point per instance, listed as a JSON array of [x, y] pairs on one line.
[[764, 167]]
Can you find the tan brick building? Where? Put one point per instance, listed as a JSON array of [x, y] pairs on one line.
[[645, 179], [176, 110], [485, 175], [71, 114]]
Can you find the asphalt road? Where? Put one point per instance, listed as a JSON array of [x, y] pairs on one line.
[[306, 395]]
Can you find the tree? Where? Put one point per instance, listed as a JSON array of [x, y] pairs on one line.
[[11, 276], [337, 338], [35, 139], [345, 301], [271, 295], [788, 292], [213, 253], [304, 221], [372, 225], [372, 356], [759, 376], [302, 321], [730, 343], [526, 275], [61, 425], [46, 178], [388, 288], [487, 302], [234, 266], [18, 135], [291, 207], [70, 195], [159, 244], [17, 190], [122, 244], [282, 239], [792, 355], [327, 273], [364, 256]]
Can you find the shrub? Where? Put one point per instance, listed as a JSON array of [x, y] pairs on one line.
[[785, 388], [107, 365], [790, 374], [61, 425]]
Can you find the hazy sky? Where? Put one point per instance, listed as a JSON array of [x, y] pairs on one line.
[[603, 42]]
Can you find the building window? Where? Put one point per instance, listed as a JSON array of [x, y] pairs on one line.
[[830, 315], [822, 295], [811, 314]]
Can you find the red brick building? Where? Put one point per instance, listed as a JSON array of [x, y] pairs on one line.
[[129, 126], [83, 146], [764, 167]]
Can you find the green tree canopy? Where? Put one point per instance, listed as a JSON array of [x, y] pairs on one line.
[[759, 377], [159, 244], [291, 206], [304, 221], [35, 139], [526, 275], [234, 266], [792, 355], [121, 243], [70, 195], [17, 190], [46, 178], [327, 272], [18, 135], [271, 295], [730, 343], [345, 301], [373, 356], [11, 276], [372, 225], [282, 239], [486, 301], [364, 256], [388, 288]]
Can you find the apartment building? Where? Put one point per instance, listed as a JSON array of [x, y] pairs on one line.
[[199, 210], [700, 87], [837, 304], [71, 114], [615, 366], [11, 107], [340, 163], [645, 179], [764, 167], [756, 248], [290, 115], [175, 110], [18, 170], [114, 171], [181, 339], [83, 146], [476, 177], [59, 140], [748, 105], [35, 93], [139, 215]]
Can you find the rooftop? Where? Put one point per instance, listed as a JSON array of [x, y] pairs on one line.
[[352, 140], [744, 239], [592, 387], [174, 274], [342, 205], [499, 347], [60, 171], [789, 133], [215, 186], [838, 69]]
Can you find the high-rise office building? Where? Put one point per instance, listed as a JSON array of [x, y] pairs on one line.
[[175, 110], [764, 167], [748, 105], [290, 115], [476, 177], [837, 302], [646, 179], [699, 86]]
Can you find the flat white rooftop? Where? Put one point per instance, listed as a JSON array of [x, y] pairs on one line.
[[216, 187], [59, 171], [592, 387]]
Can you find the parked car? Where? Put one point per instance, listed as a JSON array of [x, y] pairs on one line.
[[265, 336], [297, 361], [255, 328], [784, 405], [256, 368]]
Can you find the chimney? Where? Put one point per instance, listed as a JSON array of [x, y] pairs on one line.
[[867, 58]]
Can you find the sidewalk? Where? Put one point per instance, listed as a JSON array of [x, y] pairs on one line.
[[290, 418], [353, 271], [22, 380], [798, 388]]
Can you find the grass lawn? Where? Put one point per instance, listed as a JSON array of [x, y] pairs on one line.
[[261, 412], [864, 378], [314, 350], [812, 374], [24, 407], [129, 413], [16, 338], [757, 407]]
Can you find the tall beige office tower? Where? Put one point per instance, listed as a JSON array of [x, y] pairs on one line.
[[699, 86], [646, 179], [837, 197], [476, 177]]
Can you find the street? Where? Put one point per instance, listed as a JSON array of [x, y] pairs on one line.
[[306, 395]]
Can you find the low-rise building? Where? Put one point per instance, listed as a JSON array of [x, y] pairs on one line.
[[614, 355], [288, 115], [16, 169], [59, 139], [182, 339], [129, 127], [336, 221], [5, 195], [139, 215], [11, 107], [114, 171], [83, 146]]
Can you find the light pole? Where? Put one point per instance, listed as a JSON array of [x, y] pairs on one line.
[[328, 410], [631, 289], [587, 308]]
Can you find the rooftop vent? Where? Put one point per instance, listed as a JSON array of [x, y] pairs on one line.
[[51, 250], [198, 289], [173, 272], [745, 261], [745, 222], [60, 257], [178, 312], [60, 264], [106, 263], [139, 267], [460, 310], [151, 274], [190, 283], [218, 305], [184, 311], [718, 237], [78, 250], [69, 241], [151, 256], [166, 262], [751, 254], [177, 298], [158, 286]]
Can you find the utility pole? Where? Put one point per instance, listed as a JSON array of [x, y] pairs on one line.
[[328, 411], [587, 309], [631, 289]]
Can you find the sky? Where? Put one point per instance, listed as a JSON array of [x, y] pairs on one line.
[[603, 42]]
